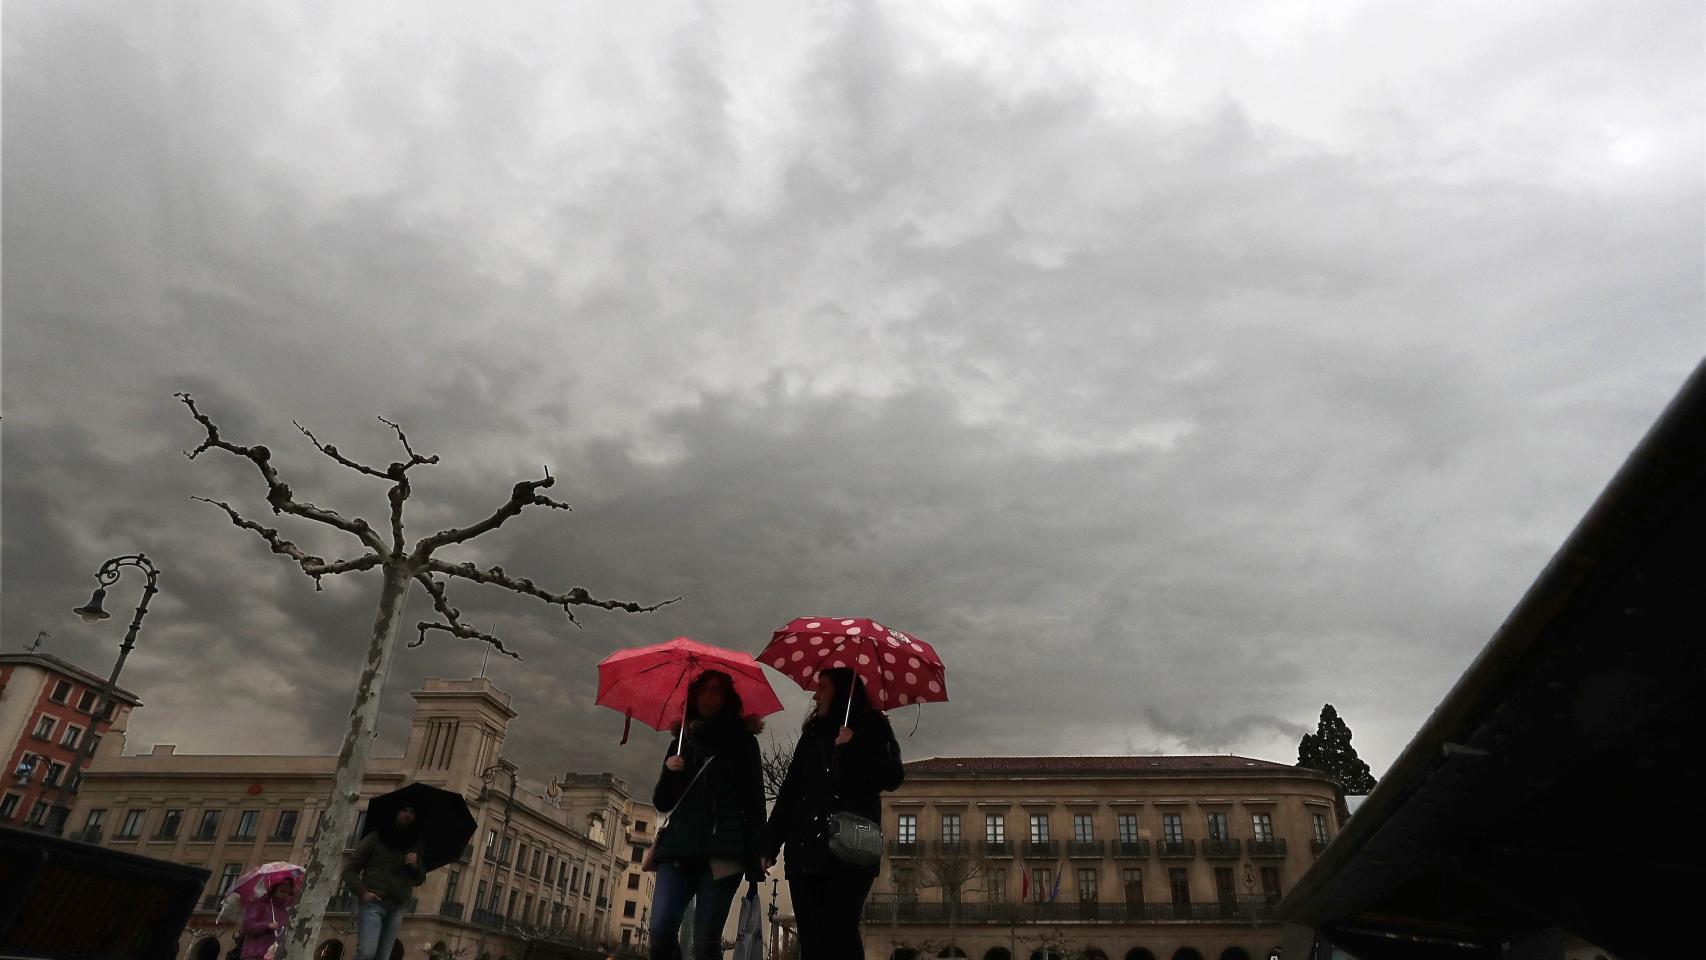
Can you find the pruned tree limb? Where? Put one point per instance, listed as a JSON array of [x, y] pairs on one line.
[[523, 495], [453, 624], [332, 452], [312, 565], [573, 597], [278, 492], [415, 459]]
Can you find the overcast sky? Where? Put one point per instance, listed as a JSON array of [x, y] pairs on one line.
[[1172, 367]]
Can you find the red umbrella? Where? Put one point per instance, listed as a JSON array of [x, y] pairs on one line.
[[649, 684], [897, 667]]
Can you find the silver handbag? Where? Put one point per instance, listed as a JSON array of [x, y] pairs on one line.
[[855, 840]]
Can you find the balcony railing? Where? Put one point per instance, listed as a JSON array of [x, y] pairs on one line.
[[602, 903], [1220, 848], [997, 848], [1267, 848], [1086, 849], [210, 903], [1317, 844], [165, 835], [276, 837], [205, 836], [450, 909], [488, 918], [1131, 849], [951, 848], [90, 835], [904, 848], [1042, 850], [342, 903], [1176, 849], [892, 908]]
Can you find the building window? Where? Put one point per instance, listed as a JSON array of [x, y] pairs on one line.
[[72, 735], [995, 828], [9, 806], [1039, 828], [44, 728], [538, 858], [90, 745], [55, 770], [1172, 828], [480, 896], [1263, 825], [521, 856], [38, 814], [86, 702], [907, 830], [503, 851], [1271, 884], [1083, 828], [491, 845], [1131, 878], [575, 879], [633, 881], [247, 823], [640, 826], [286, 829], [209, 827], [1179, 882], [131, 828], [497, 897], [170, 824], [551, 869], [601, 887], [998, 884], [951, 828], [1318, 823], [1039, 883], [630, 909], [26, 766], [1127, 824], [95, 820], [228, 876], [1217, 829], [509, 907], [61, 692], [526, 908], [1086, 884]]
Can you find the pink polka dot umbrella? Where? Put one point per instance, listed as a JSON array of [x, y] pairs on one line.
[[897, 667]]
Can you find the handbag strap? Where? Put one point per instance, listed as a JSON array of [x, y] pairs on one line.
[[685, 790]]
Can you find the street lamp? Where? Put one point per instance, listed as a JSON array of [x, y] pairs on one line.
[[93, 612]]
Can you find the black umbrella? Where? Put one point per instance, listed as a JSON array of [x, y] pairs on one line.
[[441, 817]]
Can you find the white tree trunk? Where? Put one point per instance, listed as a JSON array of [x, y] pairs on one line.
[[325, 858]]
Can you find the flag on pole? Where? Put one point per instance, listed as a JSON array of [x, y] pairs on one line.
[[1024, 887], [1055, 894]]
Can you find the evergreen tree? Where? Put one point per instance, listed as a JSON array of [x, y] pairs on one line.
[[1329, 750]]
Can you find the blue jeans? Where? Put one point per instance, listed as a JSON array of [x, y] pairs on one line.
[[677, 883], [376, 928]]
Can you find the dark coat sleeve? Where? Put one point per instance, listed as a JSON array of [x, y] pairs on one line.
[[667, 793], [873, 756], [788, 800], [754, 840]]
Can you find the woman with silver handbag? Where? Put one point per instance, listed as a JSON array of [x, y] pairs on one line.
[[827, 815]]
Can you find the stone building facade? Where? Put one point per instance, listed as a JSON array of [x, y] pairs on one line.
[[539, 878], [47, 715], [1128, 858]]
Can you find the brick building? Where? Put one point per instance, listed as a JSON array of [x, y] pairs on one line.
[[47, 714]]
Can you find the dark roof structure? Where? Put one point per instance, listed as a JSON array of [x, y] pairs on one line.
[[1524, 808], [1093, 766]]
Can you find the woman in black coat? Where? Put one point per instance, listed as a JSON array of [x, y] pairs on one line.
[[712, 788], [837, 768]]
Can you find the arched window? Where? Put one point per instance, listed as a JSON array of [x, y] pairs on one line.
[[1095, 953], [904, 953], [1234, 953], [1187, 953], [1139, 953], [997, 953], [950, 952], [1046, 955], [207, 948], [330, 950]]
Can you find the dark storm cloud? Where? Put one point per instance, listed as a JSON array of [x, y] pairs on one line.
[[1167, 405]]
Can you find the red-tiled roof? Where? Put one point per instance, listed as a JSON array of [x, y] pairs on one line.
[[1067, 766]]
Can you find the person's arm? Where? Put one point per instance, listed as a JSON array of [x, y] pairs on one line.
[[754, 840], [255, 922], [357, 862], [873, 756], [417, 874], [787, 800], [667, 793]]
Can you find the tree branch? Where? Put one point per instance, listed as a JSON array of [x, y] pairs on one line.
[[453, 617], [415, 459], [524, 494], [278, 492], [332, 451], [313, 566], [574, 596]]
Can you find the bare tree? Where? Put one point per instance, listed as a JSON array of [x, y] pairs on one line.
[[400, 566], [774, 765], [955, 869]]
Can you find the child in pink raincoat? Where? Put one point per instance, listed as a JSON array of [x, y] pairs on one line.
[[264, 921]]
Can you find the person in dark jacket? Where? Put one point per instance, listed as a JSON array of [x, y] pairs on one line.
[[843, 763], [712, 788], [383, 872]]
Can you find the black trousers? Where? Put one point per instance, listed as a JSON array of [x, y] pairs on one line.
[[826, 910]]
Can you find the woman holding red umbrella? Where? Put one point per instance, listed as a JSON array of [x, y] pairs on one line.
[[712, 789], [845, 759]]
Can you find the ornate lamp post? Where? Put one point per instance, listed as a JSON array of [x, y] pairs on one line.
[[486, 777], [92, 612]]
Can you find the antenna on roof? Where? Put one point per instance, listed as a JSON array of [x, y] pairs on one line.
[[36, 645]]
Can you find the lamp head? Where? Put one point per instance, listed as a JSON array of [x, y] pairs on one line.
[[92, 611]]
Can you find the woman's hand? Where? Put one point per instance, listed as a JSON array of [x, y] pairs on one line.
[[845, 737], [410, 860], [370, 897], [675, 764]]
